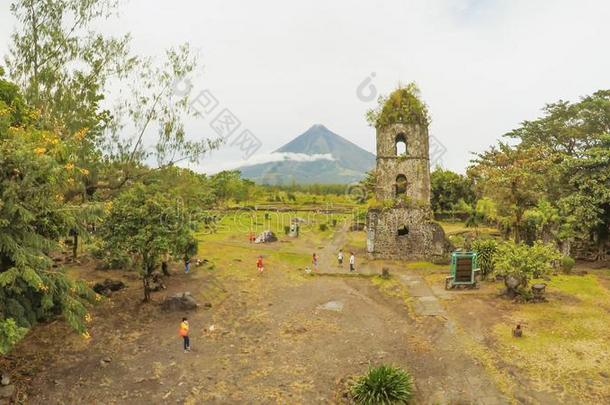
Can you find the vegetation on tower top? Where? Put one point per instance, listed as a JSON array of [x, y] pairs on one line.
[[403, 106]]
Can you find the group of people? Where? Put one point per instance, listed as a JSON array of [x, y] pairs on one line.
[[314, 262], [340, 257], [352, 260]]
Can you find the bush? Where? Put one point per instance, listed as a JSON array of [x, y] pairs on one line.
[[323, 227], [10, 333], [567, 263], [383, 385], [519, 263], [486, 250]]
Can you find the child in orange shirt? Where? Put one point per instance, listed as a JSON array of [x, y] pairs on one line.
[[184, 332]]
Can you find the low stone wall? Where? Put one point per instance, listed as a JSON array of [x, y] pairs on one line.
[[405, 234]]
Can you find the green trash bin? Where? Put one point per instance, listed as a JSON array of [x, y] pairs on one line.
[[464, 269]]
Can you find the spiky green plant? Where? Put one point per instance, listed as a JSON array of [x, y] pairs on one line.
[[383, 385], [486, 250]]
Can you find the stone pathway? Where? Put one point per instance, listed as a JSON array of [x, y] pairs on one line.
[[426, 303]]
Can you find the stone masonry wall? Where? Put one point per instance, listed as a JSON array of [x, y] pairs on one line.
[[424, 238]]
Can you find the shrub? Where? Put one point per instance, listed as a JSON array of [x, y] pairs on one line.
[[323, 227], [567, 263], [383, 385], [519, 263], [10, 333], [486, 250]]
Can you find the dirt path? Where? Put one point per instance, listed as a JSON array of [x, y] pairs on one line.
[[275, 338]]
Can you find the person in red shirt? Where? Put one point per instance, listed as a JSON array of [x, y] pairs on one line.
[[259, 264]]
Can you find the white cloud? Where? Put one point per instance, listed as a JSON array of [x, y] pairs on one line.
[[215, 167]]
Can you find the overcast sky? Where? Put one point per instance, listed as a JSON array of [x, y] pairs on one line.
[[280, 66]]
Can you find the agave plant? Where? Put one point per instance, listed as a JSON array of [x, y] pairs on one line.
[[486, 250], [383, 385]]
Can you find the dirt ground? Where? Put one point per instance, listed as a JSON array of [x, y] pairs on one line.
[[280, 337]]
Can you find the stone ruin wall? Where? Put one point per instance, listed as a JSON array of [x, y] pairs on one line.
[[424, 239]]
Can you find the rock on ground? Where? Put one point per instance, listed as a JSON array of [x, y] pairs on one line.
[[180, 302]]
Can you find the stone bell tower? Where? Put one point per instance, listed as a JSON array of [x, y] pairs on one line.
[[401, 226]]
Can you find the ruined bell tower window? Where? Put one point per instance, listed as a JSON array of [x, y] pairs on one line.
[[401, 184], [403, 231], [401, 145]]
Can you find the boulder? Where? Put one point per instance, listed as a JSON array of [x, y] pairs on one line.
[[266, 237], [180, 302], [108, 286]]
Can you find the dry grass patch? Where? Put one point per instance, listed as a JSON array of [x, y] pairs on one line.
[[566, 346]]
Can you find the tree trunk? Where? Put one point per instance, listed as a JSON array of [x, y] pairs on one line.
[[75, 245], [146, 282]]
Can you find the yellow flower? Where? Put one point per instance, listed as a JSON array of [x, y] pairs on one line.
[[98, 297], [88, 318], [81, 133], [40, 151], [69, 166], [84, 171], [86, 335]]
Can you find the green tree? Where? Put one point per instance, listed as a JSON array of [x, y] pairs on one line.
[[144, 223], [67, 68], [448, 188], [589, 202], [515, 178], [35, 170], [576, 137]]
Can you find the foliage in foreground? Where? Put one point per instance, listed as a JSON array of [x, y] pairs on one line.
[[36, 170], [383, 385]]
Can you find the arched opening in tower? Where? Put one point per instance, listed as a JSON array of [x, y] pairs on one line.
[[401, 144], [403, 231], [401, 184]]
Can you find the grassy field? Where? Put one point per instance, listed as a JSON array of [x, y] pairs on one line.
[[566, 343]]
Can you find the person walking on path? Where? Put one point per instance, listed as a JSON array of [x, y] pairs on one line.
[[340, 258], [187, 264], [352, 262], [184, 332], [314, 262], [259, 265]]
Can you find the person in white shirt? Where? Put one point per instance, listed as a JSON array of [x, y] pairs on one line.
[[352, 262], [340, 258]]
